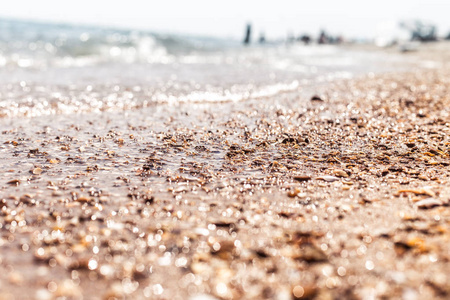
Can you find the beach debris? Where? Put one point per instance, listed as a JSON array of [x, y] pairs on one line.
[[36, 171], [340, 173], [302, 178], [54, 160], [205, 202], [423, 191], [428, 203], [418, 245], [316, 98], [328, 178], [306, 252], [14, 182], [82, 199], [223, 249], [294, 192], [304, 291], [14, 143]]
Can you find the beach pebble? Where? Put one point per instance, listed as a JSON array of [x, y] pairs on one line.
[[302, 178], [304, 291], [83, 199], [316, 98], [14, 182], [293, 193]]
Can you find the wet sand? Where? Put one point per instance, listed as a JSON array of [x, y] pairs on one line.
[[342, 197]]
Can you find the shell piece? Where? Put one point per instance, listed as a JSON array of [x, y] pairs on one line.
[[54, 160], [36, 171], [428, 203], [423, 191], [328, 178], [340, 173]]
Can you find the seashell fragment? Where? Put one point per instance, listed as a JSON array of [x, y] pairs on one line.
[[36, 171], [423, 191], [428, 203], [328, 178], [340, 173]]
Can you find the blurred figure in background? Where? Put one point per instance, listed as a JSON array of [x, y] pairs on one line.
[[248, 34]]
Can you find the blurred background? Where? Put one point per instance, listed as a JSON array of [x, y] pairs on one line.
[[276, 19]]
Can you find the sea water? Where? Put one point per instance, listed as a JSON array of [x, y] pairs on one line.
[[60, 68]]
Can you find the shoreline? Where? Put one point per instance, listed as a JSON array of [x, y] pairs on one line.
[[284, 198]]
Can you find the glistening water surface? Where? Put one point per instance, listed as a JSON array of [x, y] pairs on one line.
[[53, 68]]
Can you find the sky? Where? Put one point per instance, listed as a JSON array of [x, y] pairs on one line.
[[351, 18]]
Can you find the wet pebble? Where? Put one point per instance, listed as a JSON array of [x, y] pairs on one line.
[[302, 178]]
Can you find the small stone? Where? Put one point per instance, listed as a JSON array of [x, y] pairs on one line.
[[316, 98], [14, 182], [304, 292], [83, 199], [302, 178], [293, 193]]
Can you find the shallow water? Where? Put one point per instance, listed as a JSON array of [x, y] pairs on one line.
[[50, 68]]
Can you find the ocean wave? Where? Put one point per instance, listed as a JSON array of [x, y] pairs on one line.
[[38, 45]]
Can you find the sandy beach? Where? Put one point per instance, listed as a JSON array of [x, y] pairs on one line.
[[335, 191]]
